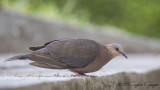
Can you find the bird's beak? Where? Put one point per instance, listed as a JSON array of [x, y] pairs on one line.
[[124, 55]]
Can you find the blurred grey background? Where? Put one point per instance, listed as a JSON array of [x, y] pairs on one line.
[[134, 24], [18, 32]]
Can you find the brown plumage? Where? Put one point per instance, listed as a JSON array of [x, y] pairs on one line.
[[78, 55]]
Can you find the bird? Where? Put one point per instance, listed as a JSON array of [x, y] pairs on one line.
[[78, 55]]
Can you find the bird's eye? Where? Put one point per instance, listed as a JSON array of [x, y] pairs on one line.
[[116, 49]]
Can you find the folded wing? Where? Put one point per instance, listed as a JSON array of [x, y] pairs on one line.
[[66, 53]]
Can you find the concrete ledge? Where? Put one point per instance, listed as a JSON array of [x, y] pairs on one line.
[[120, 81], [18, 75]]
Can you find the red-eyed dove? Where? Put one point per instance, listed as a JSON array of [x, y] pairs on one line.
[[78, 55]]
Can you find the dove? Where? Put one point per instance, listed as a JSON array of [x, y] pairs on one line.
[[78, 55]]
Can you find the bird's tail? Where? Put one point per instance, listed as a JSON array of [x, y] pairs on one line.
[[19, 57]]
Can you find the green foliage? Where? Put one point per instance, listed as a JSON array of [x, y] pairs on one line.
[[135, 16]]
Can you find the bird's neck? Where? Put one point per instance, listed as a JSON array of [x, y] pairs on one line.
[[109, 55], [106, 56]]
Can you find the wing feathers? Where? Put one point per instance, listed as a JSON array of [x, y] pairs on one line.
[[39, 47], [38, 64]]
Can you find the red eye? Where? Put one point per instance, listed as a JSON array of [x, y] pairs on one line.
[[117, 49]]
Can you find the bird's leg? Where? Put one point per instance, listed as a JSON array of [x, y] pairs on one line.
[[82, 75]]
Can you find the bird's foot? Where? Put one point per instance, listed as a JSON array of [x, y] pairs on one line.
[[82, 75]]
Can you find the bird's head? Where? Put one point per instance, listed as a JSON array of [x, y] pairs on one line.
[[116, 50]]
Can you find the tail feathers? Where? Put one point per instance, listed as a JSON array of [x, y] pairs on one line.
[[19, 57]]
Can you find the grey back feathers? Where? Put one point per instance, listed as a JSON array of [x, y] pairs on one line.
[[74, 52]]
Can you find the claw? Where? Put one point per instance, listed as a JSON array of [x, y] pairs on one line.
[[82, 75]]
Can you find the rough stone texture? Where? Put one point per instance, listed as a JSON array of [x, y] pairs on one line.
[[18, 32], [19, 75], [120, 81]]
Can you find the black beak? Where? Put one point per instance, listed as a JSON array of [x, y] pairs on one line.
[[124, 55]]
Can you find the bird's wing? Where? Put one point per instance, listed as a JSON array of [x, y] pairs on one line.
[[74, 52], [40, 64], [42, 56], [41, 46]]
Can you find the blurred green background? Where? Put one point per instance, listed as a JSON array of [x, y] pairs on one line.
[[141, 17]]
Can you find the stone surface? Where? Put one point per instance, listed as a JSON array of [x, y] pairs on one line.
[[16, 75]]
